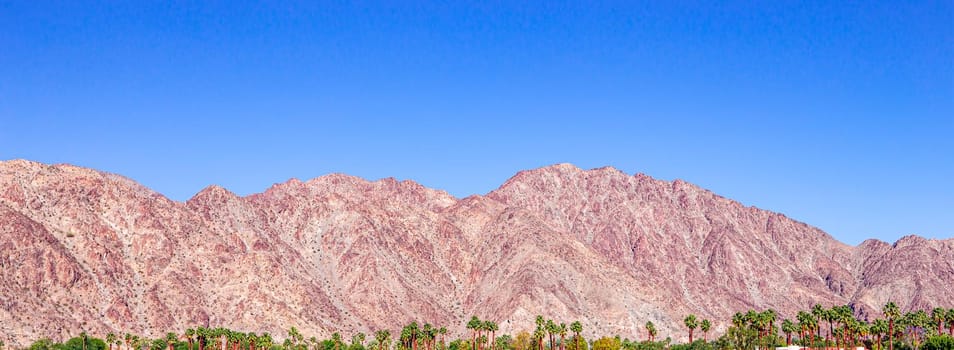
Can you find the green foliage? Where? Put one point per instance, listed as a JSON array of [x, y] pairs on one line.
[[606, 343], [577, 343], [42, 344], [742, 338], [943, 342], [459, 344], [522, 341], [644, 345], [505, 342], [158, 344], [696, 345], [751, 329], [75, 343]]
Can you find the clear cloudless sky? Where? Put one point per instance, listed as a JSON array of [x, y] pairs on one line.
[[838, 114]]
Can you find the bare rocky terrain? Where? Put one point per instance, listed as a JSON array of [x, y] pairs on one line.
[[86, 250]]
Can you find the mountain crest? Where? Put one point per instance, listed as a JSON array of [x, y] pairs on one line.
[[341, 253]]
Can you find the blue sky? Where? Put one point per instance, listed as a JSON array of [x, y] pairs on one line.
[[839, 115]]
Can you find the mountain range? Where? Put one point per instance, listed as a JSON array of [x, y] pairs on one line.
[[82, 249]]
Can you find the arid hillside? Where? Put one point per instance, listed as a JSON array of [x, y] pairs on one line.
[[86, 250]]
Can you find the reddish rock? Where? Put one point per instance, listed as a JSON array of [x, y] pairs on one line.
[[86, 250]]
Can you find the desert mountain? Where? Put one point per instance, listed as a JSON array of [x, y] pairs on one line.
[[86, 250]]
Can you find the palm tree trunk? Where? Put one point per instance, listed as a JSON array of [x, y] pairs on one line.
[[891, 334]]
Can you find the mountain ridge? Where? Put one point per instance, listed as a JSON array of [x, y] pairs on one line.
[[674, 182], [338, 252]]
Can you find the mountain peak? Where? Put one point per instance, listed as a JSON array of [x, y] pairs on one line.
[[213, 192], [598, 245]]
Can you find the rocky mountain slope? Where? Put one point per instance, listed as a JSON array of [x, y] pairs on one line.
[[82, 249]]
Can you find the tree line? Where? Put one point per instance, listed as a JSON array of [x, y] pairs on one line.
[[814, 328]]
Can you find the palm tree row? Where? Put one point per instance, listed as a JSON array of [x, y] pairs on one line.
[[412, 336], [817, 327], [843, 328], [691, 323], [477, 328]]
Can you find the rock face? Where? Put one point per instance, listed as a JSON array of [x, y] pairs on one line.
[[86, 250]]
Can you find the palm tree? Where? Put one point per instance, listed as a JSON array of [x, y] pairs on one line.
[[691, 323], [443, 332], [705, 326], [357, 340], [238, 338], [189, 334], [474, 325], [405, 338], [788, 328], [920, 322], [879, 328], [427, 334], [213, 338], [492, 327], [864, 331], [551, 329], [110, 339], [891, 312], [577, 328], [651, 330], [383, 337], [200, 334], [846, 316], [764, 319], [252, 339], [561, 329], [220, 338], [128, 338], [949, 317], [336, 337], [819, 312], [294, 335], [770, 315], [538, 335], [266, 341], [938, 315], [171, 339], [830, 316], [738, 320], [315, 344], [806, 327]]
